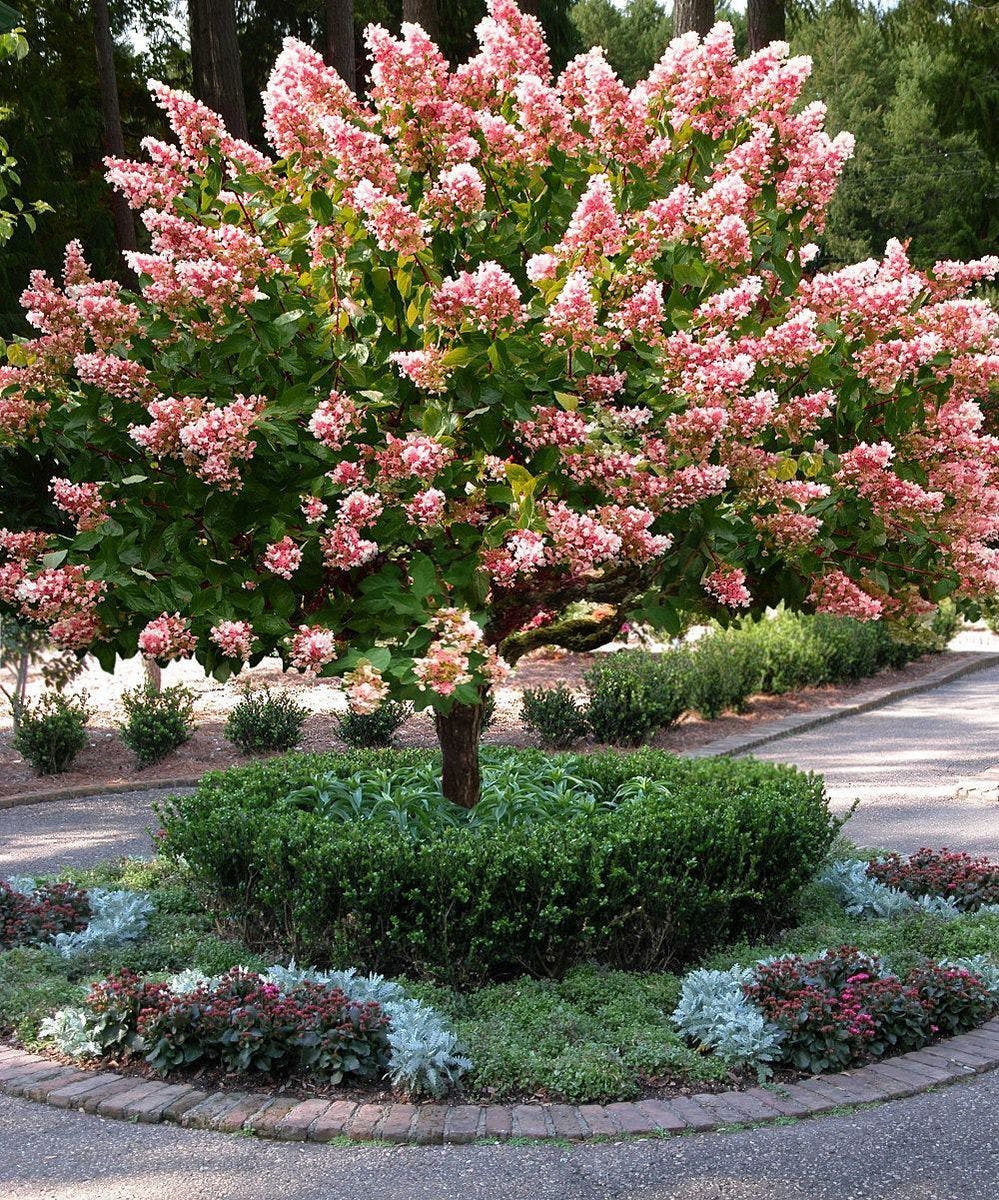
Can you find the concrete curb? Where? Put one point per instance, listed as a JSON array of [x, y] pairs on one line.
[[129, 1098], [83, 790], [742, 743]]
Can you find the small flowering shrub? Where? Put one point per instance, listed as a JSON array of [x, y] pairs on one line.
[[373, 729], [156, 722], [970, 883], [554, 715], [52, 732], [634, 694], [30, 918], [517, 341], [264, 721], [844, 1008]]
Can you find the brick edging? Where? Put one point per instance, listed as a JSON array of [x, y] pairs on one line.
[[130, 1098], [773, 731]]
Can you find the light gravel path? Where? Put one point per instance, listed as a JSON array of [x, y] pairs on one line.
[[905, 763], [938, 1146]]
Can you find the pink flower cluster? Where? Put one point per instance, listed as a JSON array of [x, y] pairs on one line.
[[333, 420], [486, 299], [312, 648], [82, 501], [366, 689], [426, 368], [167, 638], [448, 661], [234, 639], [728, 586], [282, 558]]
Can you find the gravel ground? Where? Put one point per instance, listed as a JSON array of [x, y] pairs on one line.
[[904, 763], [938, 1146]]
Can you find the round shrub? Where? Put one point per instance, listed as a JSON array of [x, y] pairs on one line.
[[554, 715], [51, 733], [724, 672], [641, 862], [374, 729], [634, 694], [156, 722], [263, 721]]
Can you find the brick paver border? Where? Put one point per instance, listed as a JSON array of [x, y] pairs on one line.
[[35, 1077]]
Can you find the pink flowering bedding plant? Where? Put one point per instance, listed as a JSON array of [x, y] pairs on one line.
[[484, 345]]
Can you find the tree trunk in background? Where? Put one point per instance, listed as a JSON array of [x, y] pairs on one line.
[[218, 79], [425, 13], [458, 733], [114, 141], [766, 22], [154, 676], [340, 40], [695, 16]]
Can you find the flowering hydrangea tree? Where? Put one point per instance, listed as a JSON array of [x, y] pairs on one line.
[[487, 345]]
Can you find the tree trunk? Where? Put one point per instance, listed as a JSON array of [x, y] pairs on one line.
[[766, 23], [218, 79], [458, 733], [425, 13], [154, 675], [693, 16], [114, 141], [340, 50]]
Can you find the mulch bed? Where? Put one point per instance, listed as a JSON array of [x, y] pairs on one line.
[[106, 763]]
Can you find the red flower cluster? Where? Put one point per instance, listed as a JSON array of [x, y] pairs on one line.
[[52, 908], [843, 1008], [241, 1024], [969, 882]]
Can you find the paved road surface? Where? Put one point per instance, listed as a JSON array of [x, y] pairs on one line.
[[905, 762], [938, 1146]]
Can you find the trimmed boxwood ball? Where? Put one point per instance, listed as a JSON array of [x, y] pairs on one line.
[[673, 858]]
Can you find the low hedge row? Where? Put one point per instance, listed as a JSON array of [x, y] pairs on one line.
[[633, 694], [675, 857]]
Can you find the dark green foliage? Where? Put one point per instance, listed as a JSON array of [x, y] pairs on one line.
[[373, 729], [156, 722], [262, 721], [634, 694], [915, 83], [725, 672], [685, 855], [34, 981], [51, 732], [554, 715]]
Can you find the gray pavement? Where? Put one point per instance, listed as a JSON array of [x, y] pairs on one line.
[[39, 839], [938, 1146], [906, 762]]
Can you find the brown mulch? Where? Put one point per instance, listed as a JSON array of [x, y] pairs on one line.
[[106, 763]]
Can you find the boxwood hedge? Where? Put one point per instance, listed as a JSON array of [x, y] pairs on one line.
[[678, 856]]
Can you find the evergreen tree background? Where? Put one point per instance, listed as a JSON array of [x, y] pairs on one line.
[[918, 83]]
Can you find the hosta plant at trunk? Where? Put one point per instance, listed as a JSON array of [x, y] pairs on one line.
[[481, 347]]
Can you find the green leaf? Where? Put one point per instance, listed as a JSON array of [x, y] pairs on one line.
[[424, 575]]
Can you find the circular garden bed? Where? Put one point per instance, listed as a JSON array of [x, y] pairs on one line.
[[602, 928]]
